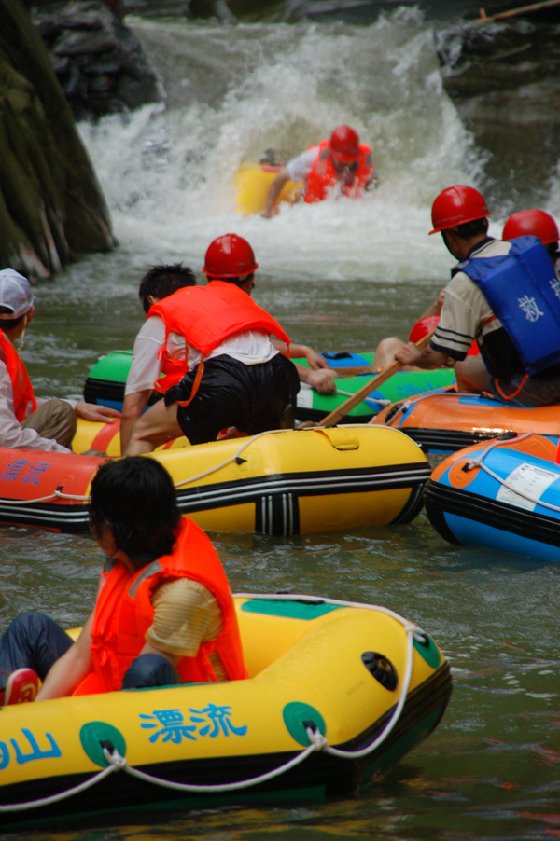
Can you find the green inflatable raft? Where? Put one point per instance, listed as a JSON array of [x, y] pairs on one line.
[[107, 377]]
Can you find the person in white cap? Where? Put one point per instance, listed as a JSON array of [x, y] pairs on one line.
[[27, 421]]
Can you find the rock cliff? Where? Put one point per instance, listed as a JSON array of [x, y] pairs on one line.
[[52, 209]]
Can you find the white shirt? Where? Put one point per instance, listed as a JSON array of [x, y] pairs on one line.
[[12, 433], [250, 348], [299, 168]]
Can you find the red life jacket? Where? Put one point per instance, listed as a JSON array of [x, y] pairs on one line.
[[124, 613], [323, 175], [24, 396], [208, 315], [425, 325]]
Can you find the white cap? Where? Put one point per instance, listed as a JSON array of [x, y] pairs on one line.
[[16, 294]]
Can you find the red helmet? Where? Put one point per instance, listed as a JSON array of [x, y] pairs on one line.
[[456, 205], [229, 256], [344, 144], [537, 223]]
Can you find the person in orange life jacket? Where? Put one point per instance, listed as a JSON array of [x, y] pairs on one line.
[[236, 378], [341, 161], [157, 351], [25, 420], [152, 354], [460, 213], [163, 613]]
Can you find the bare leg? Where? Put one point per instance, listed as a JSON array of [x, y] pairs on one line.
[[472, 376], [155, 427]]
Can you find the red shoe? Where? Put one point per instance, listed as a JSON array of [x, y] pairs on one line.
[[21, 687]]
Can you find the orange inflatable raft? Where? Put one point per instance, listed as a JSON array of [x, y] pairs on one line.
[[446, 421]]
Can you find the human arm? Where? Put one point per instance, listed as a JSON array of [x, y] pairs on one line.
[[296, 351], [409, 354], [92, 412], [132, 408], [319, 376], [373, 180], [435, 306], [144, 371], [278, 183], [67, 672], [12, 433], [321, 379]]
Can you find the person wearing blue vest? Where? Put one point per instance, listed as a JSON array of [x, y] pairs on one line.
[[504, 294]]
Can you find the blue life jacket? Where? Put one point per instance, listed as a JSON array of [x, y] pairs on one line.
[[524, 293]]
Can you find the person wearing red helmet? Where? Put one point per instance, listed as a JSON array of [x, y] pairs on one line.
[[504, 295], [236, 376], [339, 164], [536, 223]]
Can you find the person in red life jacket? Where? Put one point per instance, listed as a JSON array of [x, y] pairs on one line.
[[158, 351], [163, 614], [153, 355], [26, 420], [236, 378], [505, 295], [340, 163]]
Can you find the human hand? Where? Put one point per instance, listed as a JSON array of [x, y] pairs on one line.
[[314, 358], [409, 354], [89, 411], [323, 380]]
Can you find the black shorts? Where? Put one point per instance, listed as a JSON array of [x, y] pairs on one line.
[[253, 398]]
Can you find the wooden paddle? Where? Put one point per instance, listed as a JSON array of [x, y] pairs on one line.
[[337, 414]]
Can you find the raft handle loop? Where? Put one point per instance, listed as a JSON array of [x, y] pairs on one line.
[[315, 736]]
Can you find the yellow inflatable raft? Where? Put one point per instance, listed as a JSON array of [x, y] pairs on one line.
[[252, 182], [336, 692], [283, 482]]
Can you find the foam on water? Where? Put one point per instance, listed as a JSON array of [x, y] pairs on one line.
[[233, 91]]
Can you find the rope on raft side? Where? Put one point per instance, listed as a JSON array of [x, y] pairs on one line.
[[58, 493], [472, 463], [318, 742]]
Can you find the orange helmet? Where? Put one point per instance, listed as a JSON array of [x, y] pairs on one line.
[[456, 205], [344, 144], [229, 256], [536, 223]]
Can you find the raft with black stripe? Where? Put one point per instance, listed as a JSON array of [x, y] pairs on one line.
[[337, 692], [282, 482], [106, 380], [504, 494], [446, 421]]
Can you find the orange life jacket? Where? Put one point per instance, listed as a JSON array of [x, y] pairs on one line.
[[208, 315], [323, 175], [124, 613], [24, 396]]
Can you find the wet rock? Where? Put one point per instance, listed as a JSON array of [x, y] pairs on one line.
[[99, 62], [503, 79], [52, 209]]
